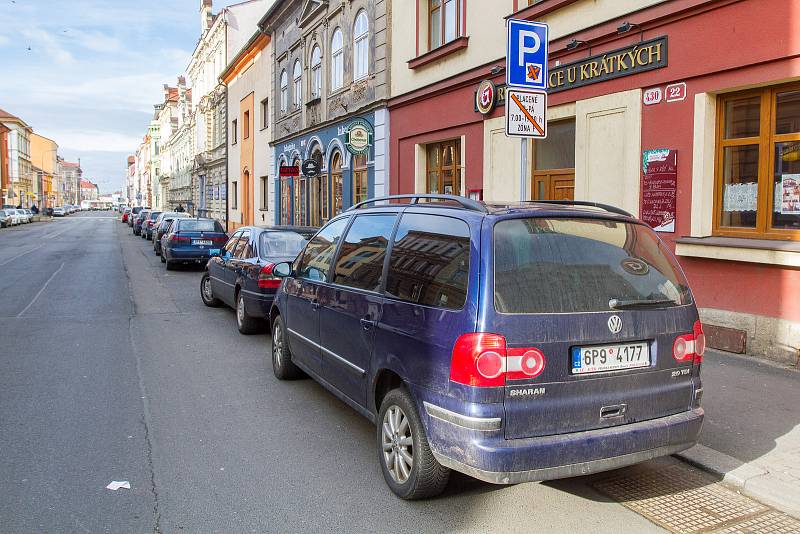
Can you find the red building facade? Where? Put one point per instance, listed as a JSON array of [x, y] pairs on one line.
[[721, 92]]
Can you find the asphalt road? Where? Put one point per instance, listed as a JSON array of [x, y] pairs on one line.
[[111, 369]]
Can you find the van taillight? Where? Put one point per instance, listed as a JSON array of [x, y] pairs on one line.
[[266, 280], [690, 347], [483, 360]]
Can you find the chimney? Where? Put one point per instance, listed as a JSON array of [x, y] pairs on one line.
[[205, 15], [181, 82], [166, 93]]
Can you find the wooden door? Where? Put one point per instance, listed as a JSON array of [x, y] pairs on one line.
[[554, 184]]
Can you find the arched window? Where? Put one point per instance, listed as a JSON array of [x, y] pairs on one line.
[[361, 46], [298, 86], [286, 196], [360, 178], [284, 92], [336, 182], [316, 72], [337, 60], [319, 192]]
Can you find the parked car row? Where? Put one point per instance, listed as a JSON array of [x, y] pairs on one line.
[[513, 343], [67, 209], [15, 216]]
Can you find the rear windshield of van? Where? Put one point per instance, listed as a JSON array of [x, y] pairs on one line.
[[199, 225], [582, 265]]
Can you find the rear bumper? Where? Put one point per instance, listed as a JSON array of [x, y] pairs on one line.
[[183, 254], [259, 304], [477, 446]]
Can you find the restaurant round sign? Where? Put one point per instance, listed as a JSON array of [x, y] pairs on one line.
[[485, 97], [359, 137]]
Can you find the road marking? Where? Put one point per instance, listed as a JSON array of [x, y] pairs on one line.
[[20, 255], [40, 291]]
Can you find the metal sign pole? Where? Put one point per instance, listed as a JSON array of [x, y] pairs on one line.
[[522, 169]]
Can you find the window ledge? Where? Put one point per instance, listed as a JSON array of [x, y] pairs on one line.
[[784, 253], [437, 53]]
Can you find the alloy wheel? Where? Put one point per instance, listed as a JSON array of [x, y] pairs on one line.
[[240, 310], [207, 292], [277, 346], [398, 444]]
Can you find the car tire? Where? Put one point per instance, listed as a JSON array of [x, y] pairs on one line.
[[398, 428], [163, 259], [247, 325], [282, 365], [207, 294], [170, 265]]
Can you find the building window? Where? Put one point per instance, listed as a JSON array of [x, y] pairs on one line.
[[443, 22], [234, 131], [444, 168], [265, 113], [284, 92], [336, 182], [316, 72], [265, 192], [361, 46], [360, 178], [235, 195], [337, 60], [297, 75], [757, 191], [246, 125]]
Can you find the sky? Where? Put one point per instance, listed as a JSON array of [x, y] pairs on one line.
[[86, 73]]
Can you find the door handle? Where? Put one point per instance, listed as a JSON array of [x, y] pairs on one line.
[[368, 323], [315, 304]]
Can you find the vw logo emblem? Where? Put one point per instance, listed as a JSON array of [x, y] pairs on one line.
[[615, 324]]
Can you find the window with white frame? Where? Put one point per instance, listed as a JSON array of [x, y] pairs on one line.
[[316, 72], [284, 92], [337, 60], [361, 46], [298, 85]]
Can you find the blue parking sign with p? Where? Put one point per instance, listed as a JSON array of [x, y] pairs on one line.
[[526, 54]]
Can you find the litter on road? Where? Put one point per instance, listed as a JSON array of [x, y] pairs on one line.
[[117, 484]]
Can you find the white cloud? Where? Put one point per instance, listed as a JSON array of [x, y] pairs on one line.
[[39, 38], [94, 140], [4, 40]]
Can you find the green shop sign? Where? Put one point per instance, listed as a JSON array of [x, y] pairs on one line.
[[359, 137]]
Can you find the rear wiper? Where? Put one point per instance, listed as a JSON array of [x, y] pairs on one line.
[[619, 304]]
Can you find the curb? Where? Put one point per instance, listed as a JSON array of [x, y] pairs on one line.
[[751, 479]]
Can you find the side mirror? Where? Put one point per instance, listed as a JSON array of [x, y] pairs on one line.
[[282, 270]]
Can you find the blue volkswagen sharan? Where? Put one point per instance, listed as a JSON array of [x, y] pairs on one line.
[[517, 342]]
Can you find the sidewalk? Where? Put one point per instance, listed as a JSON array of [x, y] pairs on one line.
[[751, 434]]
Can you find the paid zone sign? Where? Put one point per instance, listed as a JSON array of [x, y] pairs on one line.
[[526, 114]]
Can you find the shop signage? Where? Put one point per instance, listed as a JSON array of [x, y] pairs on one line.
[[310, 168], [359, 137], [289, 170], [652, 96], [641, 57], [485, 97], [526, 54], [499, 97], [526, 114], [659, 188], [675, 92]]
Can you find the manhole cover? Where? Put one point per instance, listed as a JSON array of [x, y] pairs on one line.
[[686, 500]]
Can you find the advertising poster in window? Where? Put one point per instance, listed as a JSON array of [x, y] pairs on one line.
[[790, 194], [660, 188]]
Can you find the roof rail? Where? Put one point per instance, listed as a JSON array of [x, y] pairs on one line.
[[466, 203], [607, 207]]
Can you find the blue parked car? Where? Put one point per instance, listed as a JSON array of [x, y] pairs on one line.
[[513, 343], [192, 241], [241, 276]]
